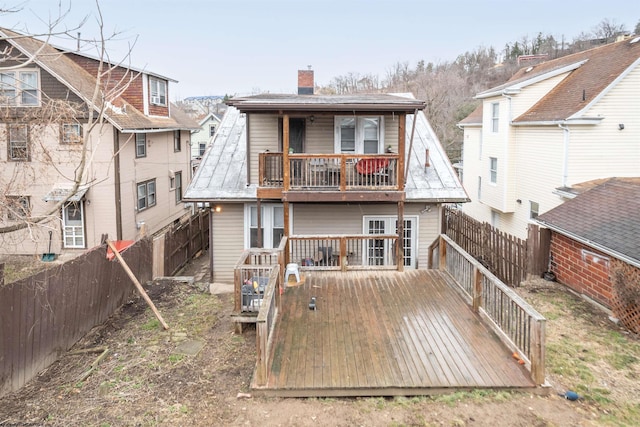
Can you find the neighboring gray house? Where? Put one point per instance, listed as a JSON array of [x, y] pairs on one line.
[[319, 169]]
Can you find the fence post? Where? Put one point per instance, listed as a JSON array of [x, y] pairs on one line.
[[442, 262], [1, 274], [537, 351]]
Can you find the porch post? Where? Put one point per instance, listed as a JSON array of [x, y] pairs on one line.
[[286, 233], [400, 245], [286, 172], [402, 124]]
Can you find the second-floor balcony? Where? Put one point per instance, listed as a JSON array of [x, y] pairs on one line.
[[331, 174]]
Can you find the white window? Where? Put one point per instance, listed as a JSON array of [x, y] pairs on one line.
[[382, 251], [18, 147], [73, 225], [202, 148], [71, 133], [493, 170], [141, 144], [18, 208], [212, 130], [19, 88], [178, 186], [177, 144], [534, 210], [359, 135], [495, 115], [272, 218], [158, 91], [146, 194], [495, 217]]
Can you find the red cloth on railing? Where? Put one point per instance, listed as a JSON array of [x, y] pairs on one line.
[[371, 165]]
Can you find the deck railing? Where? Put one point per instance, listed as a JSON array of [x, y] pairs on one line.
[[518, 324], [344, 252], [251, 276], [338, 172], [265, 324]]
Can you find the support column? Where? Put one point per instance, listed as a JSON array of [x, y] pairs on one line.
[[287, 232], [400, 245], [286, 167]]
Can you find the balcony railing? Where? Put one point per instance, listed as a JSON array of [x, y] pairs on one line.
[[344, 252], [331, 172]]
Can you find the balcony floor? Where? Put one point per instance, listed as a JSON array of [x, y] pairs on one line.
[[383, 334]]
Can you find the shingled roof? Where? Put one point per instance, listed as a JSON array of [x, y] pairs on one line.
[[606, 217], [82, 83], [591, 73]]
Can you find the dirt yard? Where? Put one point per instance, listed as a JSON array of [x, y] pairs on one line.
[[198, 374]]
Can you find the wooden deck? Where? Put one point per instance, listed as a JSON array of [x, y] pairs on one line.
[[384, 333]]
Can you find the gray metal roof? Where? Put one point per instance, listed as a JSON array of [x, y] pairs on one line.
[[222, 173]]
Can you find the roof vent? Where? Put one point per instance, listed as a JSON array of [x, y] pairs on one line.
[[636, 40]]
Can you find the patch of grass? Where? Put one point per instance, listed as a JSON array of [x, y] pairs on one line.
[[175, 358], [151, 324], [452, 399]]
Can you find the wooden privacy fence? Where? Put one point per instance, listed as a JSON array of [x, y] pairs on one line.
[[511, 259], [44, 315], [518, 324], [184, 240]]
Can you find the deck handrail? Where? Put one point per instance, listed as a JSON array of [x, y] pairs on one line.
[[344, 251], [515, 321], [265, 325], [341, 172]]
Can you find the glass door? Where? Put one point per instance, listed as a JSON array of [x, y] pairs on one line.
[[73, 225], [382, 251]]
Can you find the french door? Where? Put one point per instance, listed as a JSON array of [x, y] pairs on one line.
[[382, 251]]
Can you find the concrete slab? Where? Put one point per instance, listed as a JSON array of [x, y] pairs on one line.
[[189, 348], [220, 288]]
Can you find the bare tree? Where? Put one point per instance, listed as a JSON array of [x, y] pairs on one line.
[[28, 129], [608, 29]]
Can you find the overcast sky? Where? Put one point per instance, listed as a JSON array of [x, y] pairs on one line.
[[217, 47]]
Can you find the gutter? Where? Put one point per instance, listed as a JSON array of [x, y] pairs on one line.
[[565, 154], [587, 242]]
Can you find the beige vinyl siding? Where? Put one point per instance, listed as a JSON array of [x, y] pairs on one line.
[[263, 132], [319, 136], [160, 160], [322, 219], [228, 240]]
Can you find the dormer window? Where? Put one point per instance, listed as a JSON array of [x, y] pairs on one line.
[[359, 135], [19, 88], [158, 89]]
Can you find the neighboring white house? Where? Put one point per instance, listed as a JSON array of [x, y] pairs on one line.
[[72, 182], [550, 127], [202, 137]]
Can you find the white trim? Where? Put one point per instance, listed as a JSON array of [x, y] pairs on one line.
[[73, 229], [606, 90], [516, 87], [267, 223], [359, 133], [389, 222]]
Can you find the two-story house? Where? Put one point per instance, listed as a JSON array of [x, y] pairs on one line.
[[201, 138], [550, 127], [345, 178], [91, 148]]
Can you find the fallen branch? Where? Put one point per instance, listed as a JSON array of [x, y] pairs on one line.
[[94, 365], [88, 350], [137, 284]]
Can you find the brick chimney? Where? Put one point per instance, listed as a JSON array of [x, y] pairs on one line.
[[305, 82]]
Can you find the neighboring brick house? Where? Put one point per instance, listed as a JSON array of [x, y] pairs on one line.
[[595, 245], [80, 164], [551, 126]]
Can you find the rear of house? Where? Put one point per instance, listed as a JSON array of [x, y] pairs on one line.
[[329, 173]]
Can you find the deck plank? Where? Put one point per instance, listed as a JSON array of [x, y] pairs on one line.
[[383, 333]]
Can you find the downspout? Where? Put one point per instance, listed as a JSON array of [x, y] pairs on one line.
[[116, 183], [506, 151], [565, 159]]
